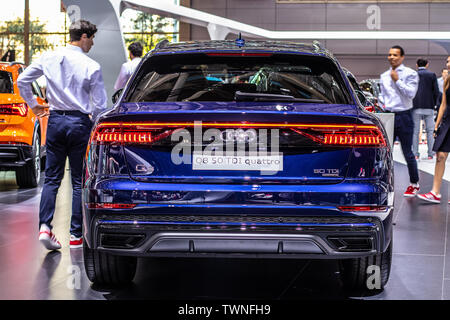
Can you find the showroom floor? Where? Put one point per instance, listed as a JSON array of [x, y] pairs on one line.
[[421, 261]]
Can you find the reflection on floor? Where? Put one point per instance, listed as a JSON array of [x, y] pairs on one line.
[[421, 261]]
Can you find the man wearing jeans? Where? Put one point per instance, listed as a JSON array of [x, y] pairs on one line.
[[398, 87], [423, 106], [75, 92]]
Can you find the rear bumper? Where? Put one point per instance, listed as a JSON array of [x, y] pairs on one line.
[[12, 156], [246, 236], [18, 130]]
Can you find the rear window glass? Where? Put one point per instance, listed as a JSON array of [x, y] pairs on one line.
[[202, 77], [6, 84]]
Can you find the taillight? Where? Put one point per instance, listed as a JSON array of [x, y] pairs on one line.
[[127, 136], [324, 134], [363, 208], [127, 133], [93, 205], [17, 109], [338, 135]]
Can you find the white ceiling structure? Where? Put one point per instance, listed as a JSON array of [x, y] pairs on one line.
[[109, 49], [219, 27]]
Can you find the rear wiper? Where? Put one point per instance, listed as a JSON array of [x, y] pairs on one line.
[[251, 96]]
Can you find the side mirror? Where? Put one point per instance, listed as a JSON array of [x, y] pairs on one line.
[[116, 95]]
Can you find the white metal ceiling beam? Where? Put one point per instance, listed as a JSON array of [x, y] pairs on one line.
[[222, 26], [109, 49]]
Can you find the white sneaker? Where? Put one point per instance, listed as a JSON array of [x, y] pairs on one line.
[[412, 191], [430, 197], [48, 239], [75, 242]]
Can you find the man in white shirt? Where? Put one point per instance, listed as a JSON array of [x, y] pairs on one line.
[[398, 87], [444, 74], [128, 67], [75, 92]]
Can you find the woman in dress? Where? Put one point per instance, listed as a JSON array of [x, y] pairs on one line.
[[441, 144]]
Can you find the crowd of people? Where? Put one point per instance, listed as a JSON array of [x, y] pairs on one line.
[[76, 94], [415, 96]]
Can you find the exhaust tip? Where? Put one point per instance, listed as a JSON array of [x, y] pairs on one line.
[[120, 241], [350, 244]]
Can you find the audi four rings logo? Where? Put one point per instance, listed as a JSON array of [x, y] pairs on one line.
[[239, 135]]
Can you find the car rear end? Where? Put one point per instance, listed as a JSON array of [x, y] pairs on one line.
[[236, 153], [22, 134], [15, 140]]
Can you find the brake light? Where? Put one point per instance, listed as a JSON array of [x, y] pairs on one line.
[[325, 134], [92, 205], [362, 208], [18, 109], [356, 135], [129, 133], [351, 139], [132, 137]]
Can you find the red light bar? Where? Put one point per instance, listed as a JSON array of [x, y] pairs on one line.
[[352, 139], [234, 125], [111, 205], [326, 134], [357, 135], [119, 133], [18, 109], [239, 54], [132, 137], [362, 208]]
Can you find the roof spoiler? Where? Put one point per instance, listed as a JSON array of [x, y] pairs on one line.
[[162, 44]]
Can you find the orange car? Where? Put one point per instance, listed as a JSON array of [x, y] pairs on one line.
[[22, 133]]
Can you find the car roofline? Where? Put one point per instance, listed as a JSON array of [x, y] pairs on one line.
[[280, 47]]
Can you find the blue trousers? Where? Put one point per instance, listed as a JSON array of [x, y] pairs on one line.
[[67, 136], [404, 130], [428, 116]]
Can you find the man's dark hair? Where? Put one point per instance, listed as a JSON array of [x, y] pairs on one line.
[[79, 27], [402, 52], [136, 49], [422, 62]]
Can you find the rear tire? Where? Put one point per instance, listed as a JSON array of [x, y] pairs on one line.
[[107, 269], [29, 175], [355, 274]]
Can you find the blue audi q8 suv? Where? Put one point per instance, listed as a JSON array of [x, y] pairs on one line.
[[231, 149]]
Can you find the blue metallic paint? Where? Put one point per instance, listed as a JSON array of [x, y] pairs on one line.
[[368, 178]]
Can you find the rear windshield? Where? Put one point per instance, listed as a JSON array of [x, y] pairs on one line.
[[203, 77], [6, 84]]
